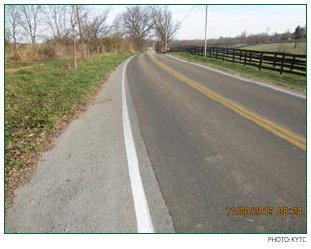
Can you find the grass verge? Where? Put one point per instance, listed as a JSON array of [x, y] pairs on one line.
[[40, 99], [287, 80], [298, 47]]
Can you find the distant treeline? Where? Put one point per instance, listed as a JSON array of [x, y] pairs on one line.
[[298, 34]]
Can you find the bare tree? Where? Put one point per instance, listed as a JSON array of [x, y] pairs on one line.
[[29, 20], [12, 16], [116, 29], [243, 37], [165, 28], [137, 22], [57, 19], [95, 27]]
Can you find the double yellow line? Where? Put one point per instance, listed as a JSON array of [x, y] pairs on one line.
[[263, 122]]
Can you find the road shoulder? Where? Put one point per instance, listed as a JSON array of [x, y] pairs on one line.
[[82, 184]]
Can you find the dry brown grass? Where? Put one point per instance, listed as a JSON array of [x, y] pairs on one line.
[[21, 53], [28, 53]]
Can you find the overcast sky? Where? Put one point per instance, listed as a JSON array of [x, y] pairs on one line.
[[230, 20]]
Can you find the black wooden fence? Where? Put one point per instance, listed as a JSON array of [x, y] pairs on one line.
[[280, 62]]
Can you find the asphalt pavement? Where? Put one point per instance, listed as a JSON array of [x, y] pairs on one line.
[[207, 144], [208, 157]]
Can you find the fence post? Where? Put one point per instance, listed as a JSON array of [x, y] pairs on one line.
[[233, 56], [274, 61], [293, 62], [216, 53], [282, 65], [245, 54], [260, 62], [223, 55]]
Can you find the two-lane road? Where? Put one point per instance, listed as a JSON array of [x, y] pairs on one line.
[[168, 146], [217, 141]]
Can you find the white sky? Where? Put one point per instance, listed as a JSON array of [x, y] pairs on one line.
[[230, 20]]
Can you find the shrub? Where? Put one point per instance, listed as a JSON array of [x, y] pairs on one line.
[[47, 51]]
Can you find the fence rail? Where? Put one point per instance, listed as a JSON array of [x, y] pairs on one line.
[[280, 62]]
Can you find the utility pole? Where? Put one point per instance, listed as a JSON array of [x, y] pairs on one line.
[[80, 24], [205, 44], [73, 39], [74, 49]]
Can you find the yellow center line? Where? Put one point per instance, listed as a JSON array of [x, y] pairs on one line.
[[265, 123]]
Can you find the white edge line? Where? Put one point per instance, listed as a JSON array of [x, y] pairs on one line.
[[143, 218], [241, 78]]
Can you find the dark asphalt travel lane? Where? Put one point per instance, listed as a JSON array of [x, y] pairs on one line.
[[280, 107], [206, 157]]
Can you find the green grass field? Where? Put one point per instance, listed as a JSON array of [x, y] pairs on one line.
[[286, 80], [283, 47], [40, 95]]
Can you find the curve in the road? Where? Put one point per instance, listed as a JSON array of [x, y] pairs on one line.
[[277, 130]]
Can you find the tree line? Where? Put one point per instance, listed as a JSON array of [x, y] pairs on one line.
[[244, 38], [64, 24], [86, 27]]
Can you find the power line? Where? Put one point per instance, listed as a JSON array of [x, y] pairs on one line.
[[187, 14]]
